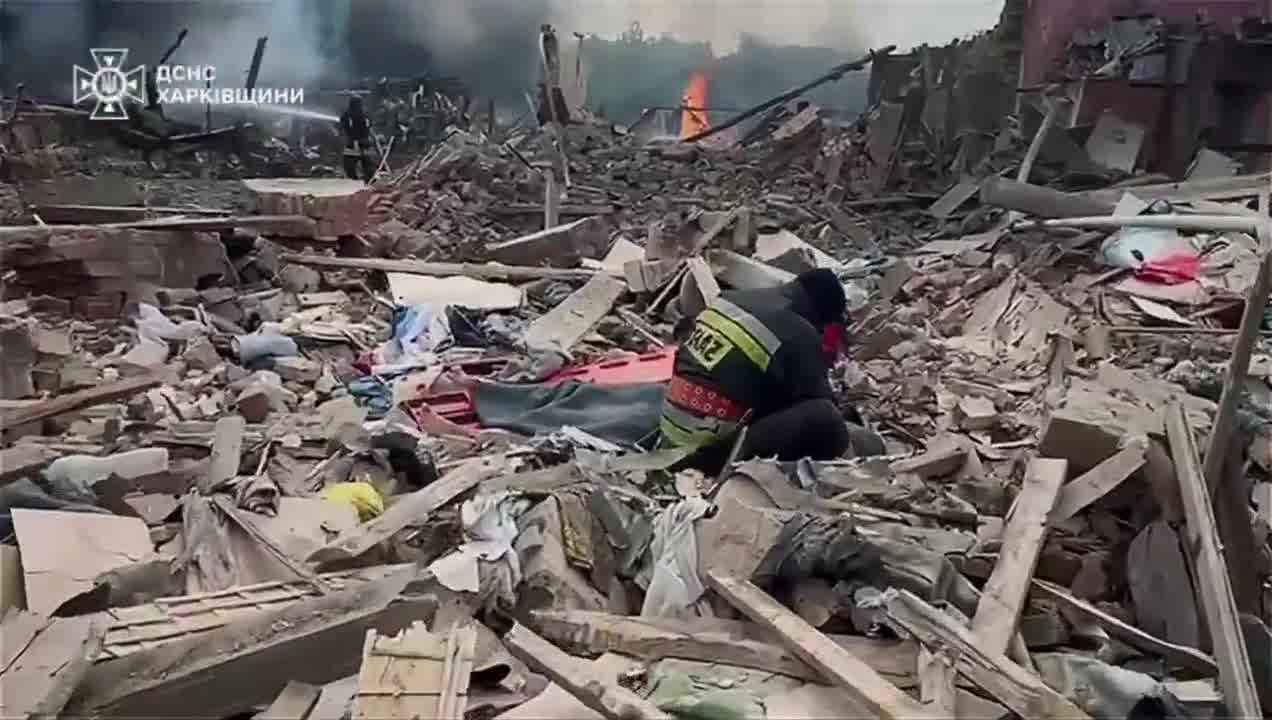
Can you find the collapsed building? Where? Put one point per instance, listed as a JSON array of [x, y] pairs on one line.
[[377, 449]]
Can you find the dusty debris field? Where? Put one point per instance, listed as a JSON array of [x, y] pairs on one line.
[[310, 448]]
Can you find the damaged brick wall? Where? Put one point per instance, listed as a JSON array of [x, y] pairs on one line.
[[1049, 24]]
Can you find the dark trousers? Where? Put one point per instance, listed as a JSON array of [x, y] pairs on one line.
[[353, 162], [812, 429]]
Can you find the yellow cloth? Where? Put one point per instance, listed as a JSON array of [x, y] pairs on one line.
[[361, 495]]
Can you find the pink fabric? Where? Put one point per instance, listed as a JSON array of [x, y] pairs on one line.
[[1174, 269]]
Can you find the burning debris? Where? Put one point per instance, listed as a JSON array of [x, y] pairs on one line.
[[956, 408]]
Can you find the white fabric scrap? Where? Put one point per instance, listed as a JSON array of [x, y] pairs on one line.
[[675, 585], [490, 527]]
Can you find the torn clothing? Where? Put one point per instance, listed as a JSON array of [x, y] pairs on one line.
[[751, 354]]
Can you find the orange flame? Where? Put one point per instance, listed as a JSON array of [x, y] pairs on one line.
[[693, 116]]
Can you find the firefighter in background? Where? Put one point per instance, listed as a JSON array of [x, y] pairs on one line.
[[760, 359], [356, 129]]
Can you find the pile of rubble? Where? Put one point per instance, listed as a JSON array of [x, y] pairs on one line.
[[338, 450]]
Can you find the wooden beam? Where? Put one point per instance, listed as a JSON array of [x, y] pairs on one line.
[[1039, 201], [1004, 596], [1236, 679], [296, 225], [1012, 685], [1226, 188], [936, 681], [70, 214], [1039, 139], [1180, 655], [413, 508], [43, 660], [248, 661], [841, 668], [24, 459], [1099, 481], [566, 324], [739, 643], [486, 271], [1234, 379], [61, 404], [227, 453], [604, 695]]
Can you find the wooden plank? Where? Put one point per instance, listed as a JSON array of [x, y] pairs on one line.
[[293, 225], [1040, 201], [1026, 528], [601, 694], [566, 324], [1234, 379], [1099, 481], [560, 246], [1012, 685], [487, 271], [1180, 655], [71, 214], [954, 198], [839, 666], [415, 674], [413, 508], [44, 660], [90, 397], [248, 662], [23, 460], [1236, 679], [141, 627], [936, 682], [293, 703], [742, 644], [565, 209], [227, 452], [1227, 188]]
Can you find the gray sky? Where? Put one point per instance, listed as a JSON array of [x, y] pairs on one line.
[[848, 23]]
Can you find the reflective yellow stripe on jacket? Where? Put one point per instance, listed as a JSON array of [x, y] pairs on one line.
[[686, 429], [743, 330]]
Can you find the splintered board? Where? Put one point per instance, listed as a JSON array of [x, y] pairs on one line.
[[415, 674]]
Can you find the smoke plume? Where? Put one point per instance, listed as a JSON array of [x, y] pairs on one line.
[[491, 44]]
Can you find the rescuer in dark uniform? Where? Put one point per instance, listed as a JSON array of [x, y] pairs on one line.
[[356, 129], [760, 359]]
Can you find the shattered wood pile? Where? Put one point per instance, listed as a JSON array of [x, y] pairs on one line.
[[385, 452]]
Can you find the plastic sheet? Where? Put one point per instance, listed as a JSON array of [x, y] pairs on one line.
[[419, 331], [1155, 254]]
